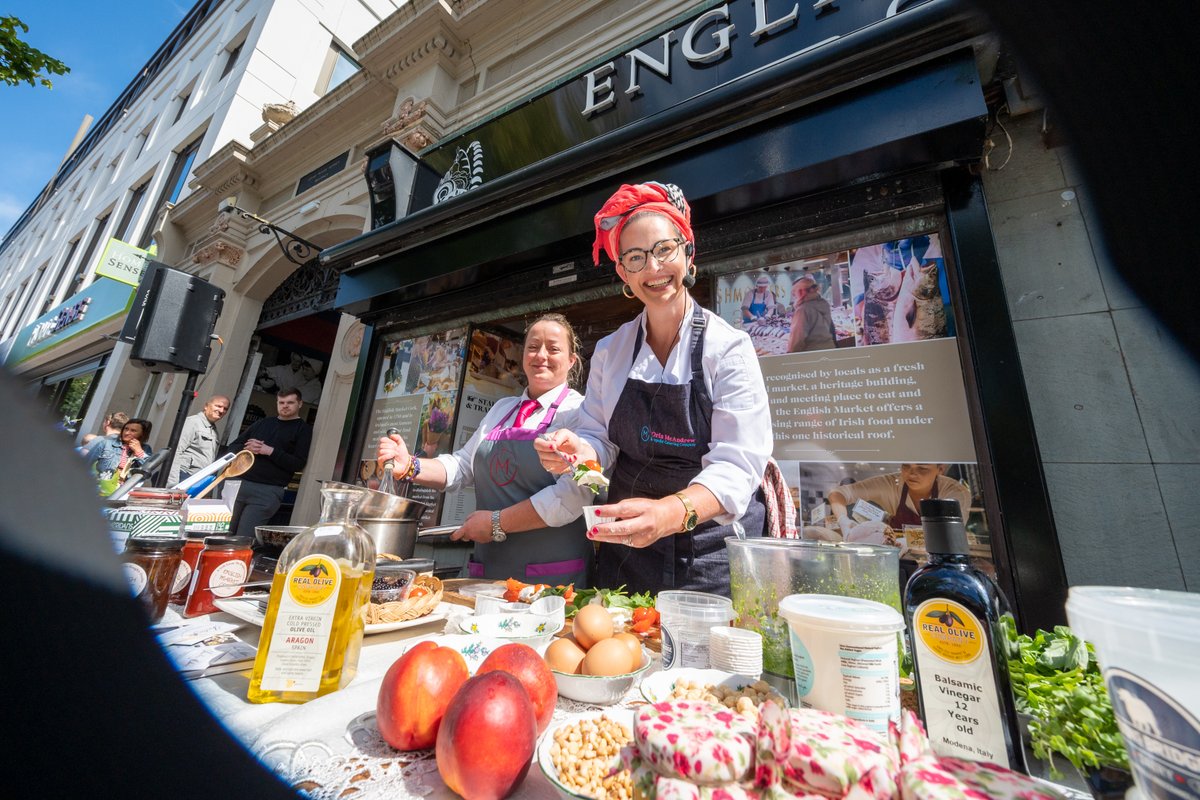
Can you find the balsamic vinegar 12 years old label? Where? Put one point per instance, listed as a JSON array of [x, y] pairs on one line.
[[958, 683]]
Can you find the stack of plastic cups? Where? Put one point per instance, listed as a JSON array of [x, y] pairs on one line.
[[736, 650], [686, 618]]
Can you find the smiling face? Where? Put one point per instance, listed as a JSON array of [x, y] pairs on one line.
[[216, 408], [548, 357], [659, 283]]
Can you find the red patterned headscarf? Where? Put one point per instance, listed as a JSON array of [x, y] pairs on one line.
[[664, 198]]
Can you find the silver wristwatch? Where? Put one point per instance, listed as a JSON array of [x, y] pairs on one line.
[[498, 534]]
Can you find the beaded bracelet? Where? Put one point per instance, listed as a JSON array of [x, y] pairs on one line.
[[414, 469]]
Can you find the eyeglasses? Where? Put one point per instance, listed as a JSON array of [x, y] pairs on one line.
[[635, 258]]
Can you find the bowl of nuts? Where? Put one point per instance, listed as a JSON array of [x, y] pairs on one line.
[[578, 755], [741, 693]]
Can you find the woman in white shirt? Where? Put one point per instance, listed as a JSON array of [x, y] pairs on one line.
[[687, 451], [529, 523]]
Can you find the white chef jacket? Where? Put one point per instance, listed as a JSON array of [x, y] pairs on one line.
[[742, 438], [557, 504]]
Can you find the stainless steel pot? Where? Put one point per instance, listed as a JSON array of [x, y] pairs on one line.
[[397, 537], [381, 505]]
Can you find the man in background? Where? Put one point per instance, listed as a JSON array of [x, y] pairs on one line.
[[197, 446], [113, 422], [812, 319], [280, 446]]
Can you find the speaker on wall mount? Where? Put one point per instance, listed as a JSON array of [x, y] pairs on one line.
[[172, 319]]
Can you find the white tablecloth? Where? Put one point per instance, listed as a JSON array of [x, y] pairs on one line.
[[330, 748]]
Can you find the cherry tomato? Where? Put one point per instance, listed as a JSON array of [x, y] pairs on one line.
[[593, 465]]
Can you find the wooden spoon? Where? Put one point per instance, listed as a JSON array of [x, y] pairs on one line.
[[240, 465]]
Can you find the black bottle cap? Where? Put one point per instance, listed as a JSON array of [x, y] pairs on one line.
[[943, 524]]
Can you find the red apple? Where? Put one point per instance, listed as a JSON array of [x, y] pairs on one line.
[[415, 693], [523, 663], [487, 738]]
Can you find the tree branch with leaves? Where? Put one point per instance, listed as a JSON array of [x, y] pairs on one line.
[[21, 63]]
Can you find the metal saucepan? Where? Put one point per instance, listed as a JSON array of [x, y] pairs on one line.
[[397, 537], [381, 505]]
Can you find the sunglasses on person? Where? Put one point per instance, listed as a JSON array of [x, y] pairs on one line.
[[635, 258]]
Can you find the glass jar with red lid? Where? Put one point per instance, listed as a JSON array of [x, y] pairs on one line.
[[224, 562]]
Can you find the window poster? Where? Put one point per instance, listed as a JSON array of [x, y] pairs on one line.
[[868, 401], [493, 371], [417, 394]]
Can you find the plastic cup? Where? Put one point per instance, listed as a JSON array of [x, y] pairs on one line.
[[552, 608], [591, 519], [489, 600], [846, 656], [1148, 644], [686, 620]]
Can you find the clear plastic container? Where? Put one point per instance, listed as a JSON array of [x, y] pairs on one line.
[[686, 620], [1148, 644], [763, 571]]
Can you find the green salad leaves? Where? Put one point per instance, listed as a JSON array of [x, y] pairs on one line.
[[1057, 682], [609, 598]]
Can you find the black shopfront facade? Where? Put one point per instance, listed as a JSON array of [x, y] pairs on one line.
[[809, 142]]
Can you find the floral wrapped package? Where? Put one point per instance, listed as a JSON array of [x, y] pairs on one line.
[[694, 750], [805, 752], [923, 774]]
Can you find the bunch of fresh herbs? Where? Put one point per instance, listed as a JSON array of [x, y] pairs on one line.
[[610, 598], [1057, 682]]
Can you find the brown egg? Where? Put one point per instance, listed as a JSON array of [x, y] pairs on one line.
[[607, 657], [592, 624], [635, 648], [563, 655]]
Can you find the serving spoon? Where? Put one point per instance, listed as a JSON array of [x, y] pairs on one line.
[[240, 465]]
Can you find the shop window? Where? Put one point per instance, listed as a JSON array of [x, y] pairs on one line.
[[67, 395]]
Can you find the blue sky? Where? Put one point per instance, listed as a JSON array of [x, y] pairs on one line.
[[104, 43]]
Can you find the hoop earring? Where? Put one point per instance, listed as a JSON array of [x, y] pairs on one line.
[[627, 292]]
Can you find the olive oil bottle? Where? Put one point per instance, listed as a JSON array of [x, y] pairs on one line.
[[312, 633], [953, 612]]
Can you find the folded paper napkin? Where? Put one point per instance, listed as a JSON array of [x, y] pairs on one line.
[[692, 750]]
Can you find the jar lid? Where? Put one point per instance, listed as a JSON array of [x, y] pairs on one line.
[[835, 612], [155, 541], [227, 542]]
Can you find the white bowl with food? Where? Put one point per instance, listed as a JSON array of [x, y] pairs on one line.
[[600, 690], [712, 685], [555, 753], [524, 628]]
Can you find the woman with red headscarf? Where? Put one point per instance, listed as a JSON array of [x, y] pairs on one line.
[[687, 451]]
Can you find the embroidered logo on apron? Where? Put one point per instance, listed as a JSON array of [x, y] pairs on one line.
[[502, 467]]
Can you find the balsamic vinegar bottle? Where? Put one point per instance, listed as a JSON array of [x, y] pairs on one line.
[[958, 645]]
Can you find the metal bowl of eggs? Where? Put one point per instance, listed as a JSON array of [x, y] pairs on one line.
[[600, 690], [596, 665]]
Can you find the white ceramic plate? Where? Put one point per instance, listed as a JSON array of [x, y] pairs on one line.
[[474, 649], [658, 687], [622, 715], [254, 613]]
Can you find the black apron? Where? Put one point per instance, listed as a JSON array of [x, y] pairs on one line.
[[663, 431], [507, 471]]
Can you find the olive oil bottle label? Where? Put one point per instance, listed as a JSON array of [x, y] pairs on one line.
[[300, 639], [958, 683]]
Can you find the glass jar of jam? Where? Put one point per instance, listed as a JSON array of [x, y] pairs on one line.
[[150, 563], [192, 546], [224, 562]]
